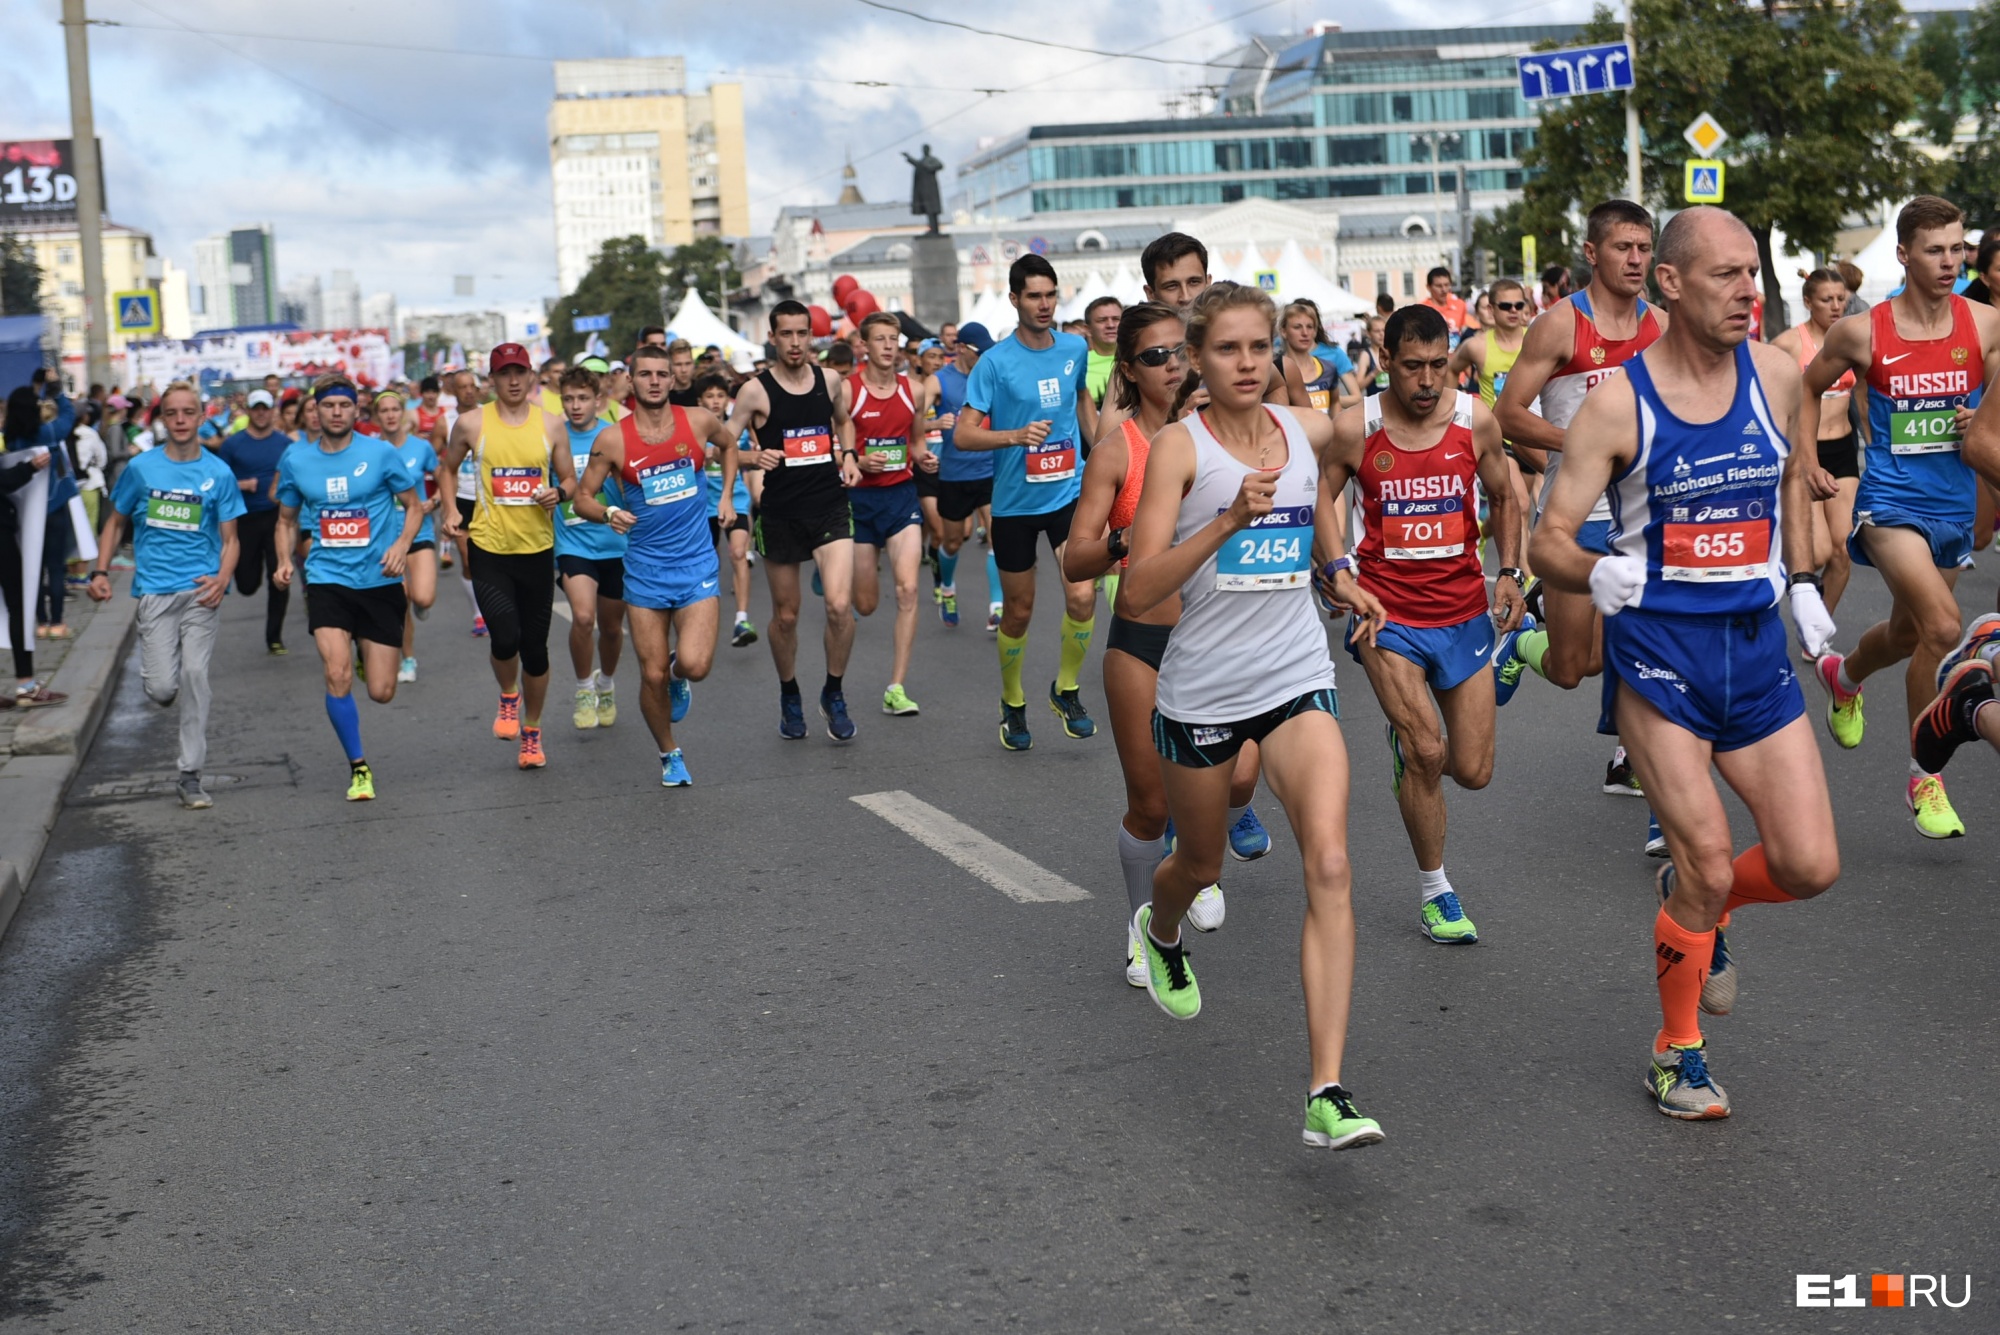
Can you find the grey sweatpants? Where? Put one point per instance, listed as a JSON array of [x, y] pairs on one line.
[[176, 637]]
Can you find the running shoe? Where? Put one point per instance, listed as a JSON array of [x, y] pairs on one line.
[[979, 532], [674, 771], [819, 589], [833, 708], [1068, 706], [607, 701], [1014, 734], [1135, 958], [361, 785], [1208, 910], [1619, 780], [1508, 665], [993, 618], [1531, 599], [507, 723], [276, 649], [896, 700], [1248, 839], [1395, 759], [1718, 990], [1981, 640], [680, 693], [531, 749], [1656, 838], [406, 671], [35, 695], [193, 796], [1930, 809], [1169, 975], [948, 610], [1681, 1086], [1843, 711], [1334, 1123], [1948, 722], [478, 627], [745, 632], [937, 594], [585, 715], [1444, 921], [791, 717]]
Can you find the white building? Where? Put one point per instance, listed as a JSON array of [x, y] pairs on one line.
[[343, 301], [378, 311], [302, 303]]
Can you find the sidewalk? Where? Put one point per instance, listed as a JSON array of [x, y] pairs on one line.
[[42, 749]]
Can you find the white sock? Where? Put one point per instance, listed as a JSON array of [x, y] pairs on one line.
[[1137, 857], [1434, 883], [1918, 771], [587, 683], [470, 596], [1236, 814], [1847, 684], [603, 680]]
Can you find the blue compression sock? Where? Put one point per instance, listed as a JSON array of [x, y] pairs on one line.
[[947, 569], [992, 578], [346, 720]]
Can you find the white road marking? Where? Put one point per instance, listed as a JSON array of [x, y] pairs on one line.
[[994, 863]]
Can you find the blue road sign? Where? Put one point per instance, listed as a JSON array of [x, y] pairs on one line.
[[137, 312], [584, 324], [1584, 69]]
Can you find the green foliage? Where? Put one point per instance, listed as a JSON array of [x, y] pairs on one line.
[[1501, 233], [624, 281], [1961, 54], [20, 277], [694, 266]]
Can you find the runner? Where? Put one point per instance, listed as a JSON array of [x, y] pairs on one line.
[[1101, 318], [351, 486], [1024, 402], [1447, 303], [1825, 301], [925, 360], [1489, 358], [590, 564], [1326, 385], [183, 506], [1229, 518], [683, 394], [465, 397], [524, 471], [885, 409], [1175, 266], [806, 448], [672, 581], [1927, 354], [420, 571], [1698, 671], [964, 480], [252, 455], [714, 393], [1416, 453]]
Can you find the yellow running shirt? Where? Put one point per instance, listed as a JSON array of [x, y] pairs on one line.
[[513, 463], [1499, 362]]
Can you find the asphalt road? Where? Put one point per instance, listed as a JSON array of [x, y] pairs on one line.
[[565, 1051]]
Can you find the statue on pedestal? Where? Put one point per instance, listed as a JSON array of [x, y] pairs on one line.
[[925, 200]]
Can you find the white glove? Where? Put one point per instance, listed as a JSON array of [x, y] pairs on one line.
[[1815, 623], [1615, 582]]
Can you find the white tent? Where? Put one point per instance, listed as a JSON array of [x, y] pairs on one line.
[[1243, 270], [1093, 287], [992, 310], [699, 326], [1126, 287], [1297, 277]]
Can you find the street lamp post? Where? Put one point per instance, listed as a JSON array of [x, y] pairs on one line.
[[89, 197]]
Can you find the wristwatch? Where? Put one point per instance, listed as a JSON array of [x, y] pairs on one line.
[[1808, 577], [1515, 573], [1116, 545], [1339, 563], [95, 573]]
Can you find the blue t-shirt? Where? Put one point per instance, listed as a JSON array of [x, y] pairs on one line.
[[575, 535], [418, 456], [1014, 385], [177, 512], [1337, 358], [954, 464], [257, 461], [351, 496]]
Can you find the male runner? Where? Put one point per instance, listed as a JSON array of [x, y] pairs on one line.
[[1697, 669], [683, 394], [590, 564], [420, 569], [806, 448], [252, 455], [655, 459], [1927, 353], [1488, 358], [464, 387], [948, 338], [523, 470], [1446, 302], [885, 408], [1415, 453], [1024, 401], [183, 505], [714, 391], [965, 479], [1101, 318], [352, 485]]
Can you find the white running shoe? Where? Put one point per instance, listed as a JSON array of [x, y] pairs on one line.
[[407, 671], [1205, 914], [1135, 958]]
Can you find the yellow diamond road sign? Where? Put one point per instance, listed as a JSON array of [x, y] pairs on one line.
[[1704, 136], [1704, 181]]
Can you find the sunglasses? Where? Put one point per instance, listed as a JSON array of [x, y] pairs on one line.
[[1510, 305], [1157, 357]]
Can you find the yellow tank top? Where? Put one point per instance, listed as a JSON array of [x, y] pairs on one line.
[[1499, 362], [513, 463]]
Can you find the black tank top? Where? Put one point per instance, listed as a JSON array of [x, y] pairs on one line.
[[808, 485]]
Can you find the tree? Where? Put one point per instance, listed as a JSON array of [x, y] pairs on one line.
[[1501, 233], [1811, 92], [20, 277], [624, 281], [695, 266], [1961, 53]]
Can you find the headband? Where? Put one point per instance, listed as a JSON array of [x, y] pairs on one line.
[[395, 394], [326, 392]]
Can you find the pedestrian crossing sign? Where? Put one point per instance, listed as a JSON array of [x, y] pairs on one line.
[[137, 312], [1704, 181]]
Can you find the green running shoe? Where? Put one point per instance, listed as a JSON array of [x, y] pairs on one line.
[[1843, 711], [1395, 759], [1681, 1086], [1169, 976], [1334, 1123], [1931, 810], [896, 700], [1444, 921]]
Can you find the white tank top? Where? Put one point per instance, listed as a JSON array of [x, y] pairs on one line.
[[1249, 638]]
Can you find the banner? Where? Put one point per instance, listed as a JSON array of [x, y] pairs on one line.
[[364, 354], [38, 180]]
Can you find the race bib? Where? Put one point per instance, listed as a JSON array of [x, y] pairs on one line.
[[1051, 461], [1423, 530], [1933, 431], [343, 526], [1275, 552], [893, 451], [807, 445], [177, 510], [1716, 553], [516, 486], [1320, 398], [666, 484]]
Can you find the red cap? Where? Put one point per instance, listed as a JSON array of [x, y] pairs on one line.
[[508, 354]]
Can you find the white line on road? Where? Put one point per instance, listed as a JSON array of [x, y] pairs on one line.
[[998, 865]]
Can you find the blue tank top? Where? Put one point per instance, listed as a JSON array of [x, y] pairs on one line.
[[665, 486], [575, 535], [954, 464], [1700, 502]]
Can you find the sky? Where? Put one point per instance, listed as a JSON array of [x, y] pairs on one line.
[[408, 142]]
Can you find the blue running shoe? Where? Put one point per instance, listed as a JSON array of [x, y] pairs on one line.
[[1656, 838], [818, 588], [679, 692], [1068, 706], [1014, 734], [833, 708], [1443, 920], [791, 718], [1248, 839], [1171, 838], [674, 771], [1508, 665], [948, 608]]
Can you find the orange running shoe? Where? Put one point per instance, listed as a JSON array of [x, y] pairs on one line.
[[531, 749], [507, 723]]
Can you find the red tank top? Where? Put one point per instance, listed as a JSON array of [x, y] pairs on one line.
[[1593, 358], [1125, 506], [1419, 551], [639, 455], [883, 427], [1809, 349], [428, 418], [1905, 368]]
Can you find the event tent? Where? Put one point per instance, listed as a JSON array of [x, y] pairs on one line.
[[699, 326], [1127, 287], [1298, 277], [20, 350]]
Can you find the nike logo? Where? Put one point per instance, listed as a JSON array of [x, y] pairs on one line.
[[1891, 361], [708, 584], [1454, 456]]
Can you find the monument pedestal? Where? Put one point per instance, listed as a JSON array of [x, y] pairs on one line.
[[934, 280]]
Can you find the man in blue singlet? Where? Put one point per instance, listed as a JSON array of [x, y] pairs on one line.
[[964, 479]]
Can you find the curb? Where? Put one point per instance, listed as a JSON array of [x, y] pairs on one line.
[[49, 749]]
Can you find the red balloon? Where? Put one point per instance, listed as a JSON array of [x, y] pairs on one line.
[[843, 285], [822, 323], [859, 304]]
